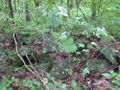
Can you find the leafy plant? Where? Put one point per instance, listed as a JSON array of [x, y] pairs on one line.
[[76, 59], [64, 42], [98, 32], [115, 85], [77, 86], [31, 83], [85, 71], [5, 84], [52, 84], [81, 45], [74, 83]]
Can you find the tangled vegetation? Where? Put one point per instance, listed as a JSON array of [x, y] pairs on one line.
[[59, 44]]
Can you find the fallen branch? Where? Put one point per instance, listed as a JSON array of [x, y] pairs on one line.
[[36, 74]]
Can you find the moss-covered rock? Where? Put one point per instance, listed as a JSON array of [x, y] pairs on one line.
[[59, 70], [109, 54], [109, 51], [42, 58], [45, 62], [97, 64]]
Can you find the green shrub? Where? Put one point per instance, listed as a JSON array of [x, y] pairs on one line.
[[115, 85]]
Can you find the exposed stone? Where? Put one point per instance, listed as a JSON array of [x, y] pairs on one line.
[[97, 64], [109, 54], [59, 70]]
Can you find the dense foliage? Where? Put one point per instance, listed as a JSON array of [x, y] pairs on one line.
[[74, 29]]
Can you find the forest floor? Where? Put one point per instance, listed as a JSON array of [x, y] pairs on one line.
[[94, 80]]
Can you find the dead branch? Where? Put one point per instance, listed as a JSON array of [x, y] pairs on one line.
[[35, 73]]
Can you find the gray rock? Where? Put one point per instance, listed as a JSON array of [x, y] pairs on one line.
[[109, 51], [97, 64], [59, 70], [109, 54]]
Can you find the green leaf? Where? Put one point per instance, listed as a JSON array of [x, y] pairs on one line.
[[78, 53], [74, 83], [63, 86], [50, 85], [113, 73], [90, 46], [81, 45], [37, 83], [31, 4], [85, 50], [70, 48], [107, 75], [85, 71], [54, 20], [69, 41], [116, 82]]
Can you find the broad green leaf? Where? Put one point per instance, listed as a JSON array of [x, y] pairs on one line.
[[69, 41], [85, 71], [64, 87], [85, 50], [74, 83], [107, 75], [78, 53], [81, 45], [116, 82], [50, 85], [70, 48]]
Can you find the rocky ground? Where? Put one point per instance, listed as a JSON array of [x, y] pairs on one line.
[[61, 61]]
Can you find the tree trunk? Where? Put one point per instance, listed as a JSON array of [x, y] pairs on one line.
[[99, 6], [77, 4], [15, 4], [68, 9], [28, 19], [78, 8], [36, 3], [93, 8], [11, 9]]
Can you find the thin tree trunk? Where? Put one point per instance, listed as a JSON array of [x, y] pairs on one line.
[[28, 19], [78, 7], [2, 2], [77, 4], [68, 9], [15, 4], [93, 8], [36, 3], [99, 7], [83, 14], [11, 9]]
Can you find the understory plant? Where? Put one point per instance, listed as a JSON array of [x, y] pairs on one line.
[[115, 85]]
